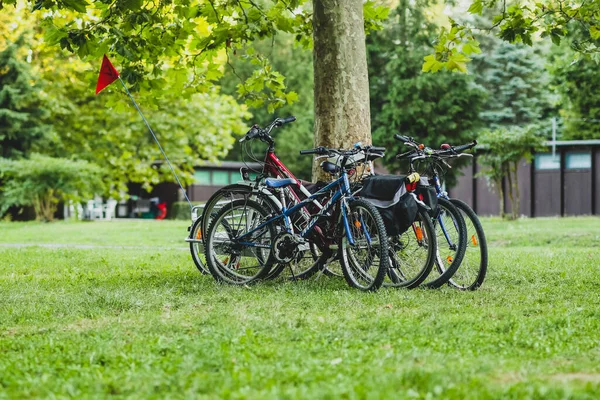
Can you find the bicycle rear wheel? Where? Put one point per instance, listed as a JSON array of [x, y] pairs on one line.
[[473, 269], [364, 263], [412, 253], [223, 196], [451, 234], [234, 260]]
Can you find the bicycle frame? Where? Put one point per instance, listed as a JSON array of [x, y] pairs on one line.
[[439, 193], [341, 195]]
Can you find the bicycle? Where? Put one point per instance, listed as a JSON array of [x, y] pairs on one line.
[[411, 234], [473, 268], [272, 167], [353, 223]]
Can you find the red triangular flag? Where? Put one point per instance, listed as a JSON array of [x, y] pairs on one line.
[[108, 74]]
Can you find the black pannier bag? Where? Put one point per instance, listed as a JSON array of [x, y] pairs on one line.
[[427, 194], [397, 207]]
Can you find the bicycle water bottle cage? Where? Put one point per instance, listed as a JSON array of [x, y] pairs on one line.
[[279, 183]]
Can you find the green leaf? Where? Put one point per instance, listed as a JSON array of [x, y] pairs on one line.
[[431, 64], [77, 5], [291, 97], [476, 7], [52, 34], [132, 5], [470, 47], [594, 32]]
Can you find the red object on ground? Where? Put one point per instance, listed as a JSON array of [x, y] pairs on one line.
[[162, 210], [108, 74]]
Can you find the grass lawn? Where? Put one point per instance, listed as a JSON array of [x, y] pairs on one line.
[[126, 313]]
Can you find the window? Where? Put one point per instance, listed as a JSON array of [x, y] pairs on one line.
[[579, 160], [221, 178], [202, 177], [546, 161]]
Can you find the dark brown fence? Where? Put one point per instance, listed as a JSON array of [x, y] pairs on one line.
[[565, 182]]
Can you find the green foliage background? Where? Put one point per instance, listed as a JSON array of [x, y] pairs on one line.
[[197, 91]]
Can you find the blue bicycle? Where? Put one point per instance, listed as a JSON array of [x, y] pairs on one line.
[[245, 238]]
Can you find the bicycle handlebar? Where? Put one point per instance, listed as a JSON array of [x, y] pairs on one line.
[[403, 138], [318, 150], [357, 149], [264, 134], [286, 120], [455, 150]]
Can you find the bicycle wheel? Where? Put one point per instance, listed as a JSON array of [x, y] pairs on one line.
[[234, 261], [451, 235], [364, 263], [197, 248], [473, 269], [224, 195], [412, 253]]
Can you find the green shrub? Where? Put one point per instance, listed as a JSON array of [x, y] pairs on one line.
[[43, 182]]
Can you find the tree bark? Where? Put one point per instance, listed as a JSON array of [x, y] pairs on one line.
[[508, 172], [342, 114], [500, 197], [517, 205]]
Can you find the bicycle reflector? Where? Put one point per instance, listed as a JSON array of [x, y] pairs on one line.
[[419, 233]]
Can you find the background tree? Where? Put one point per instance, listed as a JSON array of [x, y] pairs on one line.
[[576, 79], [434, 108], [342, 115], [106, 130], [503, 149], [295, 63], [22, 110], [515, 77]]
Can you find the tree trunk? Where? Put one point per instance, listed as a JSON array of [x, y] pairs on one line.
[[500, 196], [342, 115], [517, 203], [507, 171]]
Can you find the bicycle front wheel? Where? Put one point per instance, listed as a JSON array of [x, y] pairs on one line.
[[451, 235], [364, 262], [472, 271], [238, 248]]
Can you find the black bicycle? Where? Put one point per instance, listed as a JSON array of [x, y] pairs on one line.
[[471, 271]]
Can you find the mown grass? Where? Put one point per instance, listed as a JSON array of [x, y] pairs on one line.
[[137, 320]]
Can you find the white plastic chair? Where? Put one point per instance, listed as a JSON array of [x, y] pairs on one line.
[[109, 209], [95, 210]]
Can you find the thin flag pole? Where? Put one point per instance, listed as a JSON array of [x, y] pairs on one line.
[[156, 140]]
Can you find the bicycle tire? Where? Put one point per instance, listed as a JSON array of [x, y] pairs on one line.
[[222, 271], [200, 225], [475, 240], [412, 257], [196, 248], [352, 270], [451, 235]]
